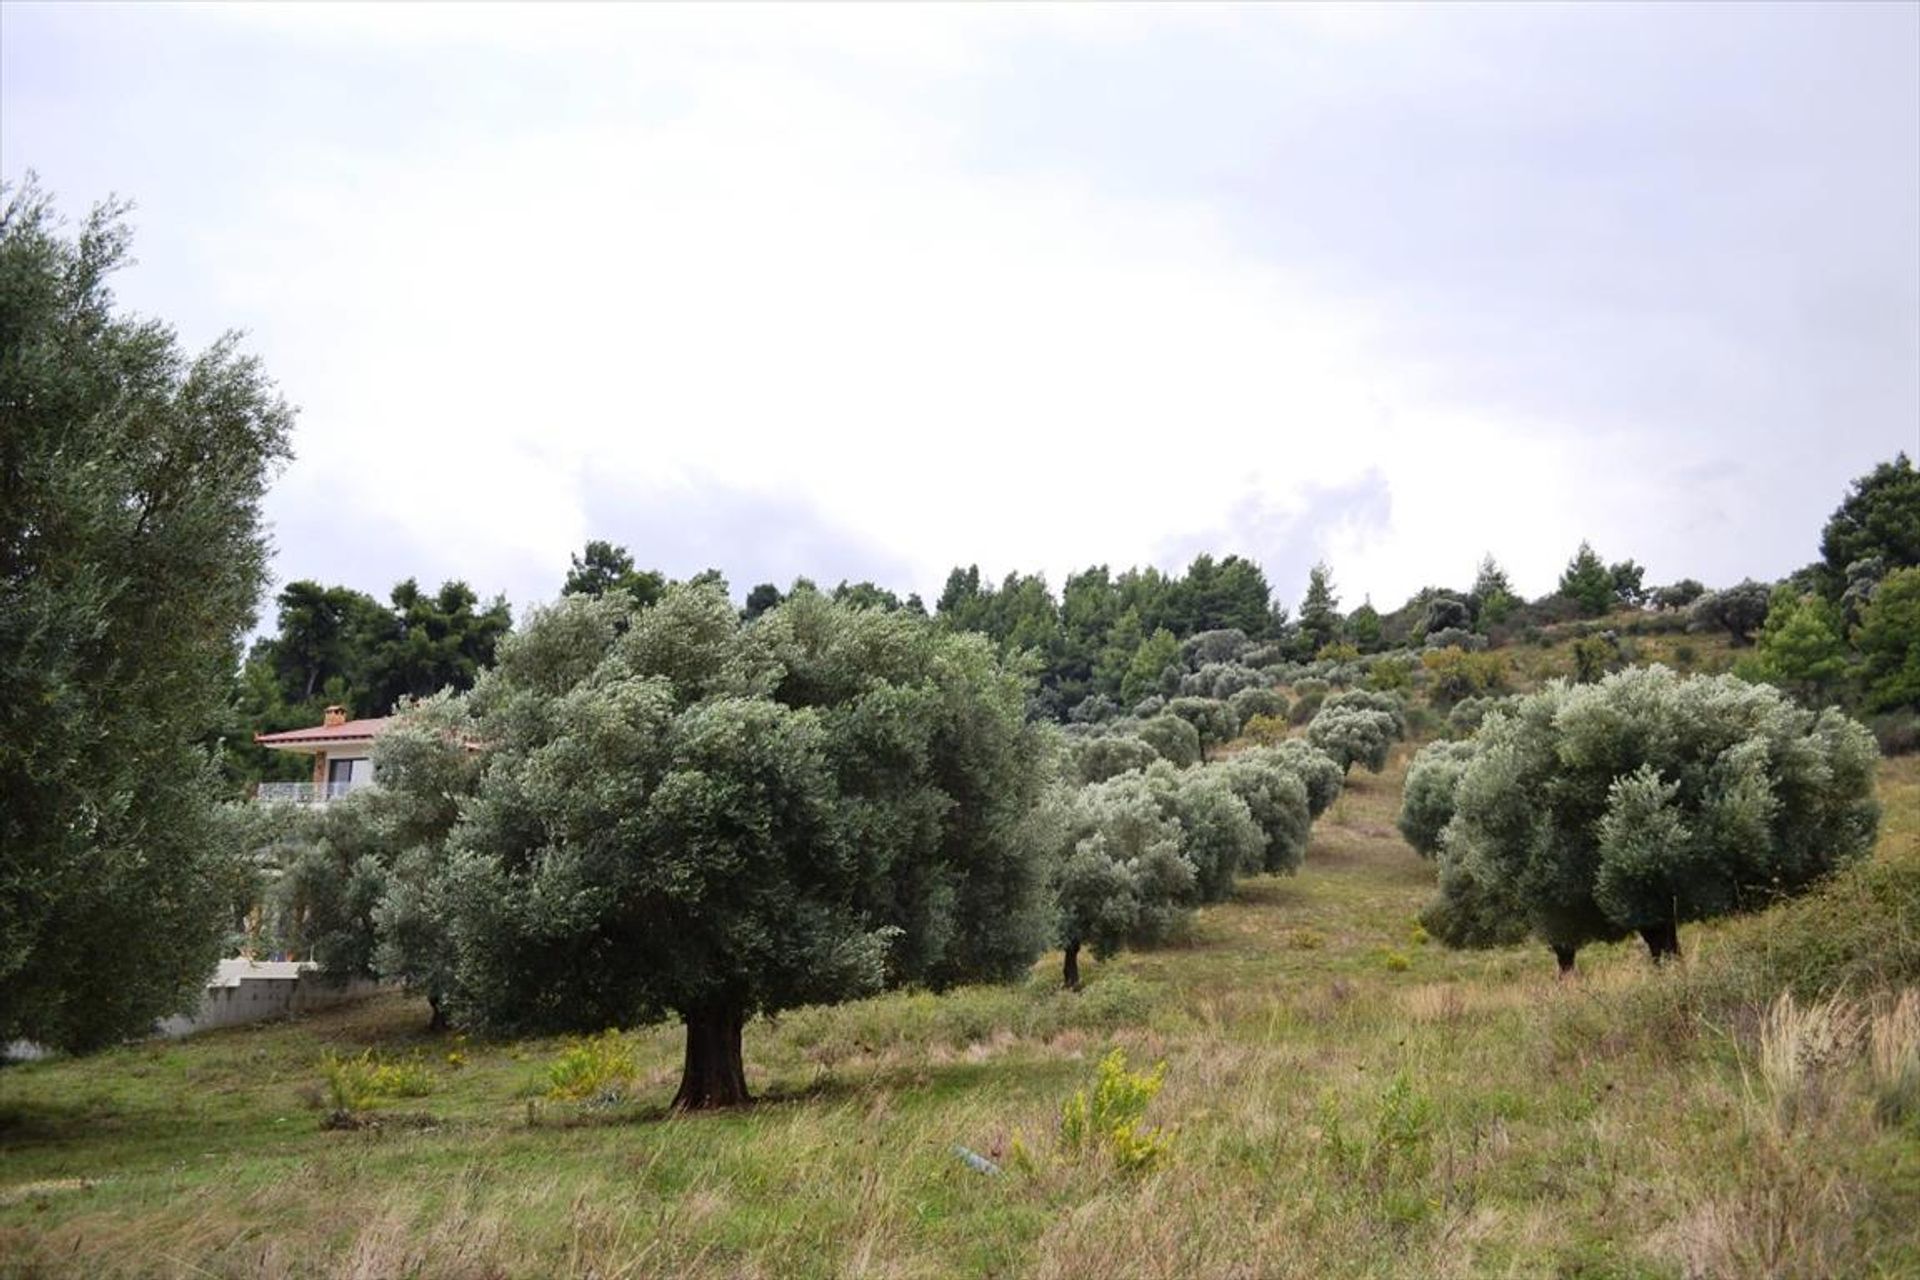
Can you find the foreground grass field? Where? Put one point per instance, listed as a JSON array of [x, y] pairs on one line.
[[1347, 1099]]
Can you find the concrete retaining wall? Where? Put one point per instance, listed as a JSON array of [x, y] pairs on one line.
[[254, 991]]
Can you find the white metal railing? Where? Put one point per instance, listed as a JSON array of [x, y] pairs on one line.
[[304, 792]]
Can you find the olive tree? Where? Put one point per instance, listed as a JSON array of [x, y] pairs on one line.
[[1177, 741], [1276, 798], [678, 815], [1263, 701], [1109, 755], [1426, 800], [1213, 721], [1353, 735], [1120, 879], [132, 555], [1649, 799], [1390, 704], [1739, 610], [1319, 772]]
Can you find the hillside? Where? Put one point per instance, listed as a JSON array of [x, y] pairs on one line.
[[1349, 1100]]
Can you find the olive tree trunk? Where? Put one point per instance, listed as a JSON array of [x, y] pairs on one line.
[[1070, 967], [1564, 956], [714, 1074], [1663, 941]]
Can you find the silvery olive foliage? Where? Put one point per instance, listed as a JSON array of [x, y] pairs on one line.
[[1214, 647], [1222, 680], [1218, 834], [675, 813], [1390, 704], [1107, 756], [1469, 713], [1177, 741], [1426, 800], [1651, 799], [1122, 879], [1269, 783], [1354, 735], [1319, 772], [1739, 610], [132, 554], [1213, 720], [1248, 703]]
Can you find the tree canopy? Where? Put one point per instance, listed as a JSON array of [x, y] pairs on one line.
[[131, 559], [678, 814], [1646, 801]]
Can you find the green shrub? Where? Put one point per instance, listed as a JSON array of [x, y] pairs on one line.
[[1107, 1119], [357, 1083], [1453, 674], [597, 1068]]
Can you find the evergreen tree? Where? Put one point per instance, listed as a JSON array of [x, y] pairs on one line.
[[132, 557]]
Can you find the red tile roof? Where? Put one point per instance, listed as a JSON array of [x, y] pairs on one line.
[[351, 731]]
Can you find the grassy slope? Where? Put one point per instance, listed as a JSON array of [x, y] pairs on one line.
[[1599, 1128]]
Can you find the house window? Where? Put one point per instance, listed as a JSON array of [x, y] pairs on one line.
[[349, 772]]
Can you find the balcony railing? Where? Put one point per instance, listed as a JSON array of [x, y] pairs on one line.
[[304, 792]]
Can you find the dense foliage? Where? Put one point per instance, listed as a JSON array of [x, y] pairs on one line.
[[678, 814], [1646, 801], [131, 557]]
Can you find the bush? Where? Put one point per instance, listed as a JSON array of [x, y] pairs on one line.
[[1106, 1121], [596, 1069], [355, 1084], [1453, 674], [1390, 674], [1265, 730], [1306, 706], [1455, 638], [1595, 657]]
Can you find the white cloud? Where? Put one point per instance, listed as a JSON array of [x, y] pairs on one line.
[[512, 260]]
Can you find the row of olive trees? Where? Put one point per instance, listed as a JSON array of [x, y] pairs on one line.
[[1585, 813], [1138, 850], [642, 813]]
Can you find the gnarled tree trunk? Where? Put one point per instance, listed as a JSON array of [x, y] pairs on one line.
[[714, 1074], [1070, 967], [1663, 941], [438, 1022], [1565, 955]]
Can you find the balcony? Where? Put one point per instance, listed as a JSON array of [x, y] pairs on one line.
[[304, 792]]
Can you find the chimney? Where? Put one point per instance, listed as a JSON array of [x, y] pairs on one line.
[[335, 715]]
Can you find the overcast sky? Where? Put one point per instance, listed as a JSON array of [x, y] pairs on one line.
[[867, 292]]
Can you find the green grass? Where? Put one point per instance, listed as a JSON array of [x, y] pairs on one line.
[[1345, 1099]]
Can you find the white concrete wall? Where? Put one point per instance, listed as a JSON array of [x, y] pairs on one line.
[[244, 992]]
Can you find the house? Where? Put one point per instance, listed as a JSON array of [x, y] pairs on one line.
[[342, 752]]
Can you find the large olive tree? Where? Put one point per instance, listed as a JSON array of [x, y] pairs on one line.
[[676, 814], [131, 558], [1648, 800]]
